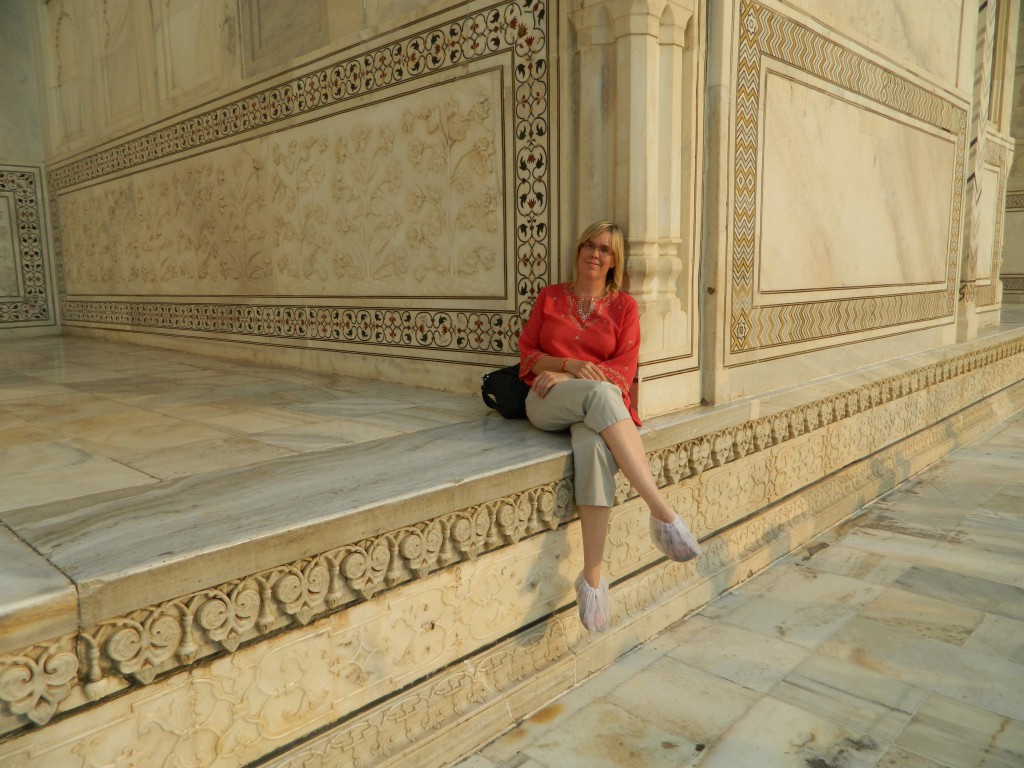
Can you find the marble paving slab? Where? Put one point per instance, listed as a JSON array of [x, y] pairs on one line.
[[774, 734], [965, 590], [803, 607], [966, 675], [743, 656], [861, 699], [963, 736]]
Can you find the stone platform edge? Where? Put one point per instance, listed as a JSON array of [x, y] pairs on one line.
[[754, 489]]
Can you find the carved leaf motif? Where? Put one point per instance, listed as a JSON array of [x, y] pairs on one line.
[[35, 688], [512, 518], [421, 546], [138, 649], [303, 593], [469, 531], [226, 617], [365, 566]]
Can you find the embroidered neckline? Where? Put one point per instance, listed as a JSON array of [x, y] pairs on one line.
[[585, 310]]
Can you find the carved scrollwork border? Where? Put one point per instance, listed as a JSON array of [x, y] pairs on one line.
[[159, 638], [23, 186]]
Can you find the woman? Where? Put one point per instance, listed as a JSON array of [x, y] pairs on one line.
[[578, 353]]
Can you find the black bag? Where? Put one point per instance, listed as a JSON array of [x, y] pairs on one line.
[[505, 392]]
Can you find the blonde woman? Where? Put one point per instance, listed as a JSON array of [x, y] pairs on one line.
[[578, 354]]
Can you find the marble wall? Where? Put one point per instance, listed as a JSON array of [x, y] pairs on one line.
[[391, 199], [848, 195], [386, 194]]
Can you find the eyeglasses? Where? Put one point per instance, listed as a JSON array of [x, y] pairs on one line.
[[604, 250]]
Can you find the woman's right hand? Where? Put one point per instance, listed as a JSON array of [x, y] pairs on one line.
[[583, 369], [546, 380]]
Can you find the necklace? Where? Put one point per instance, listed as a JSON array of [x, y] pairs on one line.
[[585, 305]]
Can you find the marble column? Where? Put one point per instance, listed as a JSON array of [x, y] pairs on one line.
[[967, 308], [632, 140]]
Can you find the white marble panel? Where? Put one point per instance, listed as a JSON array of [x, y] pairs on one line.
[[969, 676], [744, 656], [121, 59], [962, 735], [250, 704], [856, 697], [918, 32], [684, 701], [21, 132], [988, 209], [190, 39], [192, 532], [781, 610], [273, 33], [835, 171]]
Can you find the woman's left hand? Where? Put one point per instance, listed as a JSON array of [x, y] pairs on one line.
[[546, 380]]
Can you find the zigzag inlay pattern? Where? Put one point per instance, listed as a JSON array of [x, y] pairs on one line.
[[766, 34]]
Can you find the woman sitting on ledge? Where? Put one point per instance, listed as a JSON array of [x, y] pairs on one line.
[[578, 353]]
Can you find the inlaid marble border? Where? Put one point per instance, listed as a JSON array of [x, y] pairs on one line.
[[1013, 283], [520, 29], [1015, 201], [33, 306], [761, 332], [737, 471]]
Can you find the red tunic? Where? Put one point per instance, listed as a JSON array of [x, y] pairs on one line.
[[610, 337]]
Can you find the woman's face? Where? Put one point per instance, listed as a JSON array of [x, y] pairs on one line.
[[596, 258]]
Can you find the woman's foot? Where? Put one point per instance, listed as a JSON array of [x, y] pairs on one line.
[[674, 540], [593, 602]]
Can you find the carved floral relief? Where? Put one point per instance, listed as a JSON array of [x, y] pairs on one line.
[[397, 199]]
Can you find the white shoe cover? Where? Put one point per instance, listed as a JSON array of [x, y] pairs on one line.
[[594, 610], [674, 540]]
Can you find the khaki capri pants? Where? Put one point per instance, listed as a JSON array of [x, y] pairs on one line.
[[585, 408]]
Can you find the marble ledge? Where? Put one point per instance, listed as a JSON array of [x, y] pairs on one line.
[[670, 429], [132, 548], [37, 601], [135, 547]]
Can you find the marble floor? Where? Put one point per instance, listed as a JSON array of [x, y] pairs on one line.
[[895, 640], [81, 416]]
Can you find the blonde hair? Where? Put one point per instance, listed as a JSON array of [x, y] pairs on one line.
[[613, 281]]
